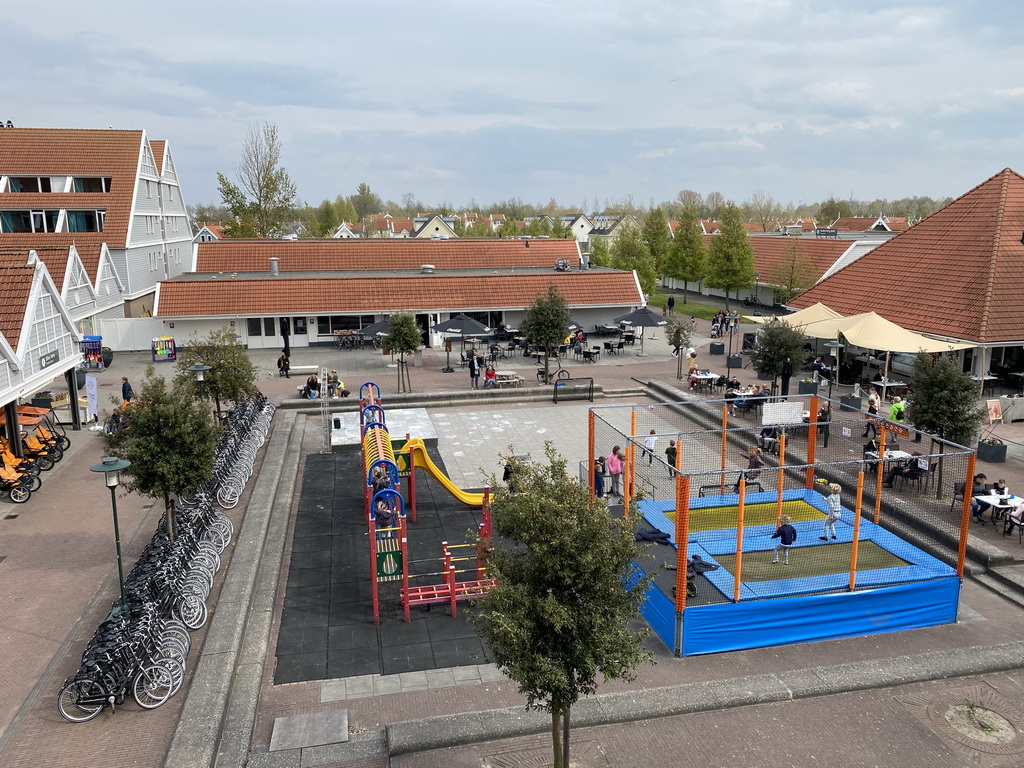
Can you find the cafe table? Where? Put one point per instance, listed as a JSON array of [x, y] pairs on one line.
[[1000, 505]]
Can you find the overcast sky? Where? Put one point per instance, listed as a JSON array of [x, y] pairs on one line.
[[458, 101]]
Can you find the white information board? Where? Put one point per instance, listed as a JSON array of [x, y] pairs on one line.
[[779, 414]]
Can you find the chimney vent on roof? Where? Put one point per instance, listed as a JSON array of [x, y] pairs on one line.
[[273, 266], [427, 269]]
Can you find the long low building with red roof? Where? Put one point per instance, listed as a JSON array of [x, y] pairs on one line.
[[313, 288]]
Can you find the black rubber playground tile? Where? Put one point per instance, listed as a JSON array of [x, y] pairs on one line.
[[349, 662], [404, 633], [407, 658], [308, 577], [460, 652], [300, 640], [309, 616], [304, 597], [351, 636], [350, 613], [298, 667], [444, 627]]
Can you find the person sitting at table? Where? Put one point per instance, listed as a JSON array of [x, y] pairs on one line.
[[978, 507], [734, 383], [768, 438], [871, 446], [730, 400], [904, 469], [1014, 519], [490, 378]]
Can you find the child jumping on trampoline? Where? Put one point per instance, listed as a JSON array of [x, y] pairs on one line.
[[786, 534], [835, 512]]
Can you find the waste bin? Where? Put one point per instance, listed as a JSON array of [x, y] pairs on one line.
[[717, 348]]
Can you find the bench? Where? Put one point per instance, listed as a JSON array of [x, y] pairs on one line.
[[304, 369], [518, 381]]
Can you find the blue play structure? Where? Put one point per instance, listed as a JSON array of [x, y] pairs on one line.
[[921, 593]]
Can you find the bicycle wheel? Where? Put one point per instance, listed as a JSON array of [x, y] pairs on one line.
[[71, 701], [19, 493], [563, 374], [192, 611], [152, 686]]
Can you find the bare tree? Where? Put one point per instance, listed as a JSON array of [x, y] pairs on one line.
[[764, 210], [261, 202]]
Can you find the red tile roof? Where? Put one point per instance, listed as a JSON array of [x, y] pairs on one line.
[[367, 295], [349, 254], [772, 250], [15, 287], [46, 151], [53, 250], [158, 154], [959, 273]]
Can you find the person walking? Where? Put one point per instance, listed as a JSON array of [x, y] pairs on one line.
[[614, 466], [599, 477], [786, 534], [671, 454], [898, 410], [835, 512], [671, 304], [649, 444], [126, 391], [870, 425]]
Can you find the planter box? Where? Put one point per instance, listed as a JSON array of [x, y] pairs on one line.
[[734, 361], [807, 387], [762, 376], [993, 454], [849, 403], [107, 356], [717, 348]]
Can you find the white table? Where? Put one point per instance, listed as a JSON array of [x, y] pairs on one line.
[[704, 380], [896, 455], [1000, 504]]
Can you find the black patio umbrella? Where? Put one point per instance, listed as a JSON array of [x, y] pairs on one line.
[[575, 326], [460, 325], [642, 318], [380, 328]]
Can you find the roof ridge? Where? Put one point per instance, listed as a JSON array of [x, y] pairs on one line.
[[986, 303]]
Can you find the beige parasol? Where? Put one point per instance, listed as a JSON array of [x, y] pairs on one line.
[[811, 314]]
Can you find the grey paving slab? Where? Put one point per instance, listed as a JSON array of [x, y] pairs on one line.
[[414, 681], [310, 730]]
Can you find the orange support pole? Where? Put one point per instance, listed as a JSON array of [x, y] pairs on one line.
[[725, 446], [879, 473], [856, 531], [627, 473], [591, 453], [782, 478], [739, 540], [965, 512], [682, 538], [812, 441]]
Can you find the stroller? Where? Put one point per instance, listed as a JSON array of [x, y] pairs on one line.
[[716, 330]]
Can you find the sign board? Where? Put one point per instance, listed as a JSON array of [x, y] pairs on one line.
[[778, 414], [995, 411], [892, 428], [49, 359], [92, 396]]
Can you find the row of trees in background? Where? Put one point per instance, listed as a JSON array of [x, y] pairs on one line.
[[262, 202]]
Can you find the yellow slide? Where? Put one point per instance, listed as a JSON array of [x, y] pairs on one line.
[[422, 460]]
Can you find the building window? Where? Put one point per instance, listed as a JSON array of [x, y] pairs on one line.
[[326, 325], [255, 326], [29, 221], [268, 326], [85, 221], [299, 326], [91, 184], [170, 194], [29, 184]]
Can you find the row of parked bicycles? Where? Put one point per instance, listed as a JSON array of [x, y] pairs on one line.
[[41, 449], [141, 648]]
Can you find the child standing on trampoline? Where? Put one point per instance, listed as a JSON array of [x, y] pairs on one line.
[[786, 534], [835, 512]]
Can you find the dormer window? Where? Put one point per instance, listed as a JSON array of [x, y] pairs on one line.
[[92, 184], [29, 184], [29, 221]]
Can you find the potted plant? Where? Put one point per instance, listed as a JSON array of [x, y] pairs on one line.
[[807, 387], [734, 361], [107, 356], [992, 450], [42, 399], [717, 348], [849, 402]]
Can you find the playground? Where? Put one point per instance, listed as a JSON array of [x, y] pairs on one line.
[[365, 596], [864, 575]]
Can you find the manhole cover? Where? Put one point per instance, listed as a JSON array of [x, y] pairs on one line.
[[977, 722]]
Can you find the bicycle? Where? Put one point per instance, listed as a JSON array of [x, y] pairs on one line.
[[559, 374], [753, 301]]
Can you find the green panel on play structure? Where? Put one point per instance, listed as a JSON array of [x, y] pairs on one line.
[[389, 564], [401, 460]]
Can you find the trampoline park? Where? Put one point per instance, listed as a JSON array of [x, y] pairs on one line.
[[874, 573]]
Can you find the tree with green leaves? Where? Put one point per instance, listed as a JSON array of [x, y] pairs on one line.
[[403, 339], [792, 274], [600, 256], [546, 322], [688, 256], [832, 210], [170, 439], [679, 333], [656, 235], [629, 252], [365, 202], [945, 402], [776, 343], [731, 257], [565, 590], [232, 375], [262, 201]]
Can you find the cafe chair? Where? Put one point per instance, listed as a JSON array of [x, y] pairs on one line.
[[958, 495], [609, 348], [619, 347]]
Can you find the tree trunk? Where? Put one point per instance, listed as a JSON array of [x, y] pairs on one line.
[[679, 364], [400, 390], [169, 515], [547, 362], [556, 738]]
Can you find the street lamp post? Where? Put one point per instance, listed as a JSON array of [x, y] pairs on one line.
[[757, 288], [200, 369], [110, 466], [834, 346]]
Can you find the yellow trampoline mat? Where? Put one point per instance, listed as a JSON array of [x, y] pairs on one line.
[[821, 560], [714, 518]]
